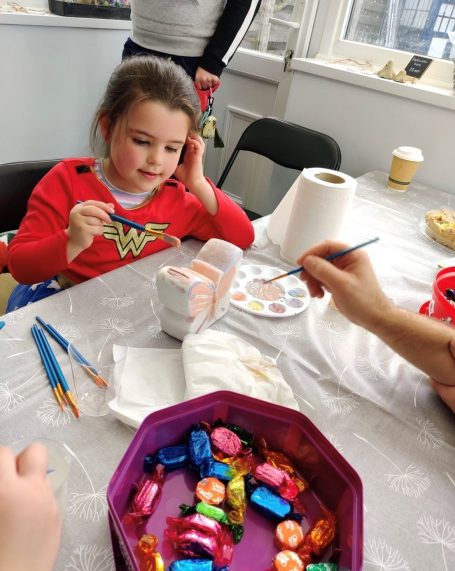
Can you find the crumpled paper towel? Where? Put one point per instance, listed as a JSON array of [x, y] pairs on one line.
[[148, 379]]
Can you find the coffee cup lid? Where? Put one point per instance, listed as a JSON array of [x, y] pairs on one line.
[[409, 153]]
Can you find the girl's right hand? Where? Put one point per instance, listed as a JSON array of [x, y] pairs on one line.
[[86, 221]]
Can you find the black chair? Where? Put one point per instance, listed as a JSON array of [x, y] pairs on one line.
[[286, 144], [17, 180]]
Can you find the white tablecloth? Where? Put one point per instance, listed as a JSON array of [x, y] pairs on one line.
[[373, 406]]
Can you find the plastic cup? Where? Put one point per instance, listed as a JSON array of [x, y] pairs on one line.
[[59, 465], [92, 396], [439, 306], [405, 162]]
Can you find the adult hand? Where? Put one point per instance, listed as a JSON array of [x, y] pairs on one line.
[[350, 279], [29, 515], [446, 392], [203, 79], [85, 222]]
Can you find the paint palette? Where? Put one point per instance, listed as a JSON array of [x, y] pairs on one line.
[[283, 298]]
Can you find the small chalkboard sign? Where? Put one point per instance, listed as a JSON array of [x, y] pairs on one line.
[[417, 66]]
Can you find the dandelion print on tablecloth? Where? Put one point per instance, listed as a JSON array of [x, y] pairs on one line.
[[380, 555], [91, 505], [340, 403], [411, 482], [115, 326], [429, 434], [115, 301], [9, 400], [437, 532], [50, 413], [372, 371], [91, 558]]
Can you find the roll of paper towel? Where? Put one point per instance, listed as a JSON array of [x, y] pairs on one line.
[[314, 209]]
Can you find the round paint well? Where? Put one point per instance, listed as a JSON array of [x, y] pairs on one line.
[[238, 296], [255, 305], [260, 290], [297, 292], [277, 308], [294, 302]]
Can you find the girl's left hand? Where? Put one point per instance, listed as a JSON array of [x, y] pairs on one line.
[[190, 172]]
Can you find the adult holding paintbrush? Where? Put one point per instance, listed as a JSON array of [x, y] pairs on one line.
[[89, 216], [426, 343]]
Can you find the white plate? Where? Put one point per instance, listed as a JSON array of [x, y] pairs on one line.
[[430, 236], [283, 298]]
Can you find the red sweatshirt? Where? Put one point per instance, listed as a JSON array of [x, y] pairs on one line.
[[38, 251]]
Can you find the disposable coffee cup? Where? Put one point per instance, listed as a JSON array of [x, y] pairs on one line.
[[405, 162]]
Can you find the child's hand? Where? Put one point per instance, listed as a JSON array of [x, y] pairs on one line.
[[85, 222], [191, 174]]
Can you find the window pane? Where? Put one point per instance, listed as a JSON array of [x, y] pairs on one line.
[[417, 26], [265, 36]]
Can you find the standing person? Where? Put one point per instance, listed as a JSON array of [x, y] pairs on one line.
[[199, 35], [426, 343], [150, 111], [29, 516]]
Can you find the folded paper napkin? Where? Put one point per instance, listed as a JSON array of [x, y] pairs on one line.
[[209, 361]]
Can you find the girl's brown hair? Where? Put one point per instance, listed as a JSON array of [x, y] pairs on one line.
[[144, 78]]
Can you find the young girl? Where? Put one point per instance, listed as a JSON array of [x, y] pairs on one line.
[[149, 114]]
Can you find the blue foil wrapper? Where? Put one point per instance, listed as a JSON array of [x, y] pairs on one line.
[[192, 565], [270, 504], [214, 469], [199, 446], [173, 457]]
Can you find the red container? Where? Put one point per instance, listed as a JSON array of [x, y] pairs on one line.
[[439, 306], [334, 483]]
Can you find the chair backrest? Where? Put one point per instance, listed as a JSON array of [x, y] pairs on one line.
[[286, 144], [17, 180]]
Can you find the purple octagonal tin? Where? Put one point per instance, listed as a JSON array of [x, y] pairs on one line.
[[334, 484]]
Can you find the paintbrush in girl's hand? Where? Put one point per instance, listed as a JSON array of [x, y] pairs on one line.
[[172, 240], [328, 258]]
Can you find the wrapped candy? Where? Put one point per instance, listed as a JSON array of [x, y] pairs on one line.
[[148, 494], [322, 567], [211, 491], [192, 565], [194, 521], [226, 441], [212, 468], [288, 535], [173, 457], [287, 561], [199, 446], [195, 543], [149, 558], [318, 538], [236, 499], [270, 504], [212, 511], [278, 480], [281, 461]]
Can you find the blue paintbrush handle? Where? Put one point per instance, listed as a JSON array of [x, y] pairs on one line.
[[336, 255], [118, 218]]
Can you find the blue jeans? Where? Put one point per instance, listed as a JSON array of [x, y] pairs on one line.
[[189, 64]]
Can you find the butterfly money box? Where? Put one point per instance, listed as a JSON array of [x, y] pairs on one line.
[[194, 297]]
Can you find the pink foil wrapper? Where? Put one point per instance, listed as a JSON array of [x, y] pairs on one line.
[[197, 522], [226, 441], [268, 475], [148, 494]]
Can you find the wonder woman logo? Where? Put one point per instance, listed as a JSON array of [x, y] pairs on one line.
[[133, 240]]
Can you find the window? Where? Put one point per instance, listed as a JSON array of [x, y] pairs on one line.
[[417, 26], [376, 31], [269, 31]]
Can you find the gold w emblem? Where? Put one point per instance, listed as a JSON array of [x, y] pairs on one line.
[[133, 240]]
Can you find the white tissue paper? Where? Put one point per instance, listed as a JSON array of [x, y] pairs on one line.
[[148, 379], [315, 208], [216, 361]]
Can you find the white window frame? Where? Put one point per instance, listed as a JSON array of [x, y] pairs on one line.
[[332, 47]]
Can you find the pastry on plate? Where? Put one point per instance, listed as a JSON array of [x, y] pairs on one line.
[[440, 225]]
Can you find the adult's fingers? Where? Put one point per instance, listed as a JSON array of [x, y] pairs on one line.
[[7, 463], [33, 460]]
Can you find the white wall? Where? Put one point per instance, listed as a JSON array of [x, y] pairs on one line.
[[368, 125], [51, 80]]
